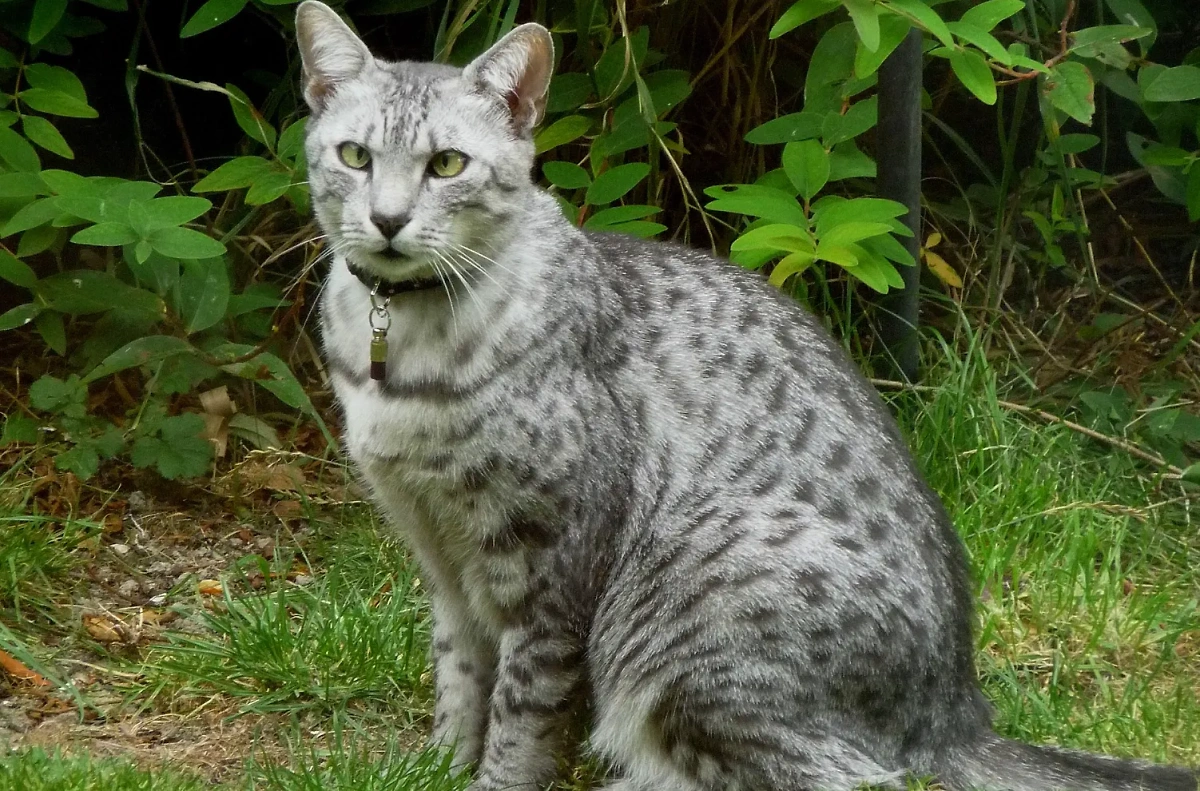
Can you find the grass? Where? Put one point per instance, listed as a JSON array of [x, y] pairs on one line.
[[1089, 626], [38, 770], [354, 639]]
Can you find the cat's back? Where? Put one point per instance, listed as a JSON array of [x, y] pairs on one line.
[[783, 502]]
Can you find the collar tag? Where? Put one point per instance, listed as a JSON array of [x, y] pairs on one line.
[[380, 319]]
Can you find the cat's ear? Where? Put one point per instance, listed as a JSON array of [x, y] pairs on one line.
[[518, 69], [329, 50]]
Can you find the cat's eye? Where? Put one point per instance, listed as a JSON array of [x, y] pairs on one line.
[[354, 155], [447, 164]]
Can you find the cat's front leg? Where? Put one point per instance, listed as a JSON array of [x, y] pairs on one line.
[[537, 681], [464, 669]]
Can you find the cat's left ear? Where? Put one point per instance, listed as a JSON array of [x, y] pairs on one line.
[[518, 69]]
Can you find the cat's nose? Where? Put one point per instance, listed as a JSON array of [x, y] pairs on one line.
[[389, 224]]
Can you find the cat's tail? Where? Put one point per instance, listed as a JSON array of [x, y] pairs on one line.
[[997, 764]]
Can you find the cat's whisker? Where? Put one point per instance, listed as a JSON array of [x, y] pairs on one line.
[[458, 273], [451, 292]]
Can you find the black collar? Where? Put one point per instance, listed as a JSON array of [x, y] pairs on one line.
[[391, 288]]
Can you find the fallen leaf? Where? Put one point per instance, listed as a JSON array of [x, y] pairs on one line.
[[218, 409], [210, 587], [104, 629], [288, 509], [941, 269], [158, 617], [18, 670]]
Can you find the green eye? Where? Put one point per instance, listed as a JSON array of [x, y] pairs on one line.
[[354, 155], [447, 164]]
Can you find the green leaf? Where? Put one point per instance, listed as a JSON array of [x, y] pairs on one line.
[[787, 129], [203, 293], [1083, 41], [846, 233], [865, 15], [568, 91], [49, 394], [21, 185], [987, 15], [173, 210], [776, 236], [561, 132], [42, 132], [845, 257], [55, 78], [45, 100], [800, 13], [875, 273], [925, 16], [892, 30], [1191, 474], [82, 460], [8, 60], [185, 243], [179, 451], [982, 39], [249, 118], [37, 240], [834, 210], [566, 175], [46, 15], [148, 351], [668, 88], [17, 153], [1075, 143], [860, 117], [1069, 87], [19, 316], [84, 291], [792, 264], [807, 166], [612, 73], [616, 215], [50, 326], [268, 187], [756, 200], [211, 14], [16, 271], [972, 69], [106, 234], [846, 161], [19, 428], [235, 173], [39, 212], [291, 139], [272, 373], [1178, 84], [1193, 193], [615, 183], [1132, 12]]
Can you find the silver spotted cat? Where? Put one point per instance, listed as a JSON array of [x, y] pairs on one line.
[[638, 481]]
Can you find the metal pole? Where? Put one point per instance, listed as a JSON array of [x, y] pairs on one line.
[[899, 159]]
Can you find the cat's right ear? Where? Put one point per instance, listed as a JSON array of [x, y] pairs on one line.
[[329, 50]]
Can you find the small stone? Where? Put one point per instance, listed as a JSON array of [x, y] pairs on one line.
[[303, 579], [129, 589], [138, 502], [158, 600], [120, 549], [262, 542], [161, 567]]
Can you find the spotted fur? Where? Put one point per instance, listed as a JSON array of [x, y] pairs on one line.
[[633, 474]]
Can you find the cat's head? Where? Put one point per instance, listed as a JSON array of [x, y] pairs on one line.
[[414, 164]]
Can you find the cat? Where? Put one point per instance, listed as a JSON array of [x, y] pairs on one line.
[[632, 474]]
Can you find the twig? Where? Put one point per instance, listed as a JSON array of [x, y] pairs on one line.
[[144, 29], [1128, 447]]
